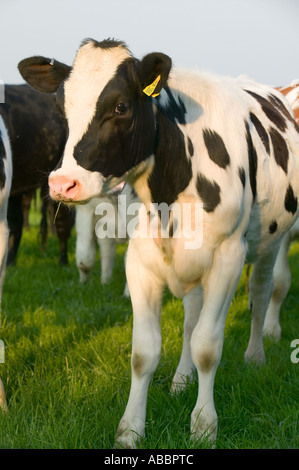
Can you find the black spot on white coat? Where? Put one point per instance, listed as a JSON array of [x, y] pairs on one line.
[[242, 176], [290, 201], [280, 149], [261, 132], [216, 148], [2, 168], [209, 192], [279, 104], [252, 160], [273, 227], [190, 147], [270, 111]]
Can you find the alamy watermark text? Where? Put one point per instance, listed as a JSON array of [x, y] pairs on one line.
[[157, 221]]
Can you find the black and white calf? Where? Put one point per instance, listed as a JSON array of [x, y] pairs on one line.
[[5, 184], [282, 272], [185, 138]]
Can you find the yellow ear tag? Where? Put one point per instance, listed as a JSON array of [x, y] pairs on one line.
[[149, 90]]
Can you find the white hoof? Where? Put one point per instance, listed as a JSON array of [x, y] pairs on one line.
[[257, 356], [126, 437], [272, 331], [204, 427]]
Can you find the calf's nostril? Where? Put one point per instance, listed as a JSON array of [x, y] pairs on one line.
[[72, 186]]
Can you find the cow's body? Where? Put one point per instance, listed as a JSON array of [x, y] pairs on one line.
[[5, 184], [282, 273], [37, 137], [230, 145]]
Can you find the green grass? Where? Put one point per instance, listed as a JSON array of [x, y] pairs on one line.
[[67, 369]]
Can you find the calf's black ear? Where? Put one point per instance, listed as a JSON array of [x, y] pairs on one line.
[[43, 74], [153, 72]]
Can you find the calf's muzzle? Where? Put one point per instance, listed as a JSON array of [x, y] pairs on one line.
[[63, 188]]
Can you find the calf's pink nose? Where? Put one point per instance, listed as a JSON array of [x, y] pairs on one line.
[[63, 188]]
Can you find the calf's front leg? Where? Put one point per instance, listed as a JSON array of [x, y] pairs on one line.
[[146, 292]]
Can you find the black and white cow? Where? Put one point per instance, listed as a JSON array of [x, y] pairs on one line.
[[5, 184], [196, 140], [282, 272]]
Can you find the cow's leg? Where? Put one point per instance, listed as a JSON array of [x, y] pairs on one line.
[[15, 223], [146, 293], [26, 203], [282, 283], [4, 232], [192, 306], [64, 223], [85, 241], [260, 290], [207, 337], [44, 223], [3, 404], [108, 252], [126, 292]]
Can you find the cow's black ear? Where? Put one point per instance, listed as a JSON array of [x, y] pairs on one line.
[[42, 73], [153, 72]]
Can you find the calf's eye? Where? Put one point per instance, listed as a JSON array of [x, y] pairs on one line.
[[121, 108]]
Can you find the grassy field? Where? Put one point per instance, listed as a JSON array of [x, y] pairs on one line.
[[67, 369]]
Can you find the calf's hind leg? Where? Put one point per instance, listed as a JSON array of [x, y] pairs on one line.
[[282, 283], [260, 290], [192, 306]]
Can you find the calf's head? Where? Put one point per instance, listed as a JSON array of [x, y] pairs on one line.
[[106, 100]]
